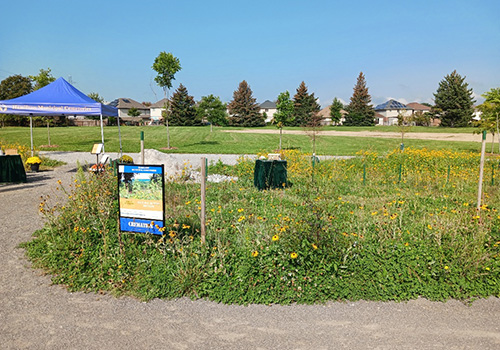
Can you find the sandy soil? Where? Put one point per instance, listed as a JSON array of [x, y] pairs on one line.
[[34, 314], [392, 135]]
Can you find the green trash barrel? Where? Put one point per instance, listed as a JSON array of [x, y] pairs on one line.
[[270, 174]]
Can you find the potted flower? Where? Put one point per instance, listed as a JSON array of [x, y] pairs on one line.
[[34, 163], [126, 159]]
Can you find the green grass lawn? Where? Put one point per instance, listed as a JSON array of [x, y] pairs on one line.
[[201, 140]]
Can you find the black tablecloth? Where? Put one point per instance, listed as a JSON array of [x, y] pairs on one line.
[[12, 169], [270, 174]]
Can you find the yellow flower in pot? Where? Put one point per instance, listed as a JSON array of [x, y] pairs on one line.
[[34, 163], [126, 159]]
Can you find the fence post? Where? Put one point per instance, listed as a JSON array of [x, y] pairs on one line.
[[481, 171], [203, 197], [142, 147]]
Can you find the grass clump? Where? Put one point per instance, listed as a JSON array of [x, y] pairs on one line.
[[375, 228]]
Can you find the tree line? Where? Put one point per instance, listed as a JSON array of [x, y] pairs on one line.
[[454, 103]]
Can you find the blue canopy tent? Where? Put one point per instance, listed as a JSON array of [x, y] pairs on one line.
[[57, 98]]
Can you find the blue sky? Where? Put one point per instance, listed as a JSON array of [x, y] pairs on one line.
[[404, 48]]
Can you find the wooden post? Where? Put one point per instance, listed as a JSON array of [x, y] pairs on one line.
[[203, 197], [481, 171], [142, 147], [31, 135]]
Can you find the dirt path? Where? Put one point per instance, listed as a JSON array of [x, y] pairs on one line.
[[392, 135], [37, 315]]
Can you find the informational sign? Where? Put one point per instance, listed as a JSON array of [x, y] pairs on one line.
[[97, 148], [141, 198]]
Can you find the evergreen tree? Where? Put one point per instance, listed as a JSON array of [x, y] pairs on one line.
[[453, 101], [305, 106], [335, 111], [183, 109], [244, 109], [359, 111]]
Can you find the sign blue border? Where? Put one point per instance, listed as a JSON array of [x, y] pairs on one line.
[[130, 224], [141, 225]]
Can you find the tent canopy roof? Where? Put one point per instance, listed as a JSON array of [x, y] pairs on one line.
[[57, 98]]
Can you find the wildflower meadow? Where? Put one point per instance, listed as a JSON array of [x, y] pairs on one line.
[[374, 227]]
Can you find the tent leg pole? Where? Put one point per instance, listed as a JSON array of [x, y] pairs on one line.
[[119, 135], [102, 135], [31, 135]]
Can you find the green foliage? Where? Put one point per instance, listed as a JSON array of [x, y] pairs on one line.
[[15, 86], [454, 101], [244, 109], [305, 106], [133, 112], [335, 240], [490, 116], [43, 78], [183, 109], [285, 110], [422, 119], [335, 111], [213, 110], [96, 97], [166, 65], [12, 87], [360, 111]]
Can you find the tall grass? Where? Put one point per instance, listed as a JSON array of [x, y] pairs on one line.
[[358, 229]]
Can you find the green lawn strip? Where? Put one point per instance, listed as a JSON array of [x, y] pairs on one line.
[[201, 140]]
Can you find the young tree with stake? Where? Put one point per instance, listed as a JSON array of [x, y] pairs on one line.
[[166, 65]]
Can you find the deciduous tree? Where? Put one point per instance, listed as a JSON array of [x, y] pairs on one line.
[[213, 110], [490, 114], [12, 87], [335, 111], [166, 65], [96, 97], [43, 78], [453, 101], [284, 112]]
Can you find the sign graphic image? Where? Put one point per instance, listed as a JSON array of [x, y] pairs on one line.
[[141, 198]]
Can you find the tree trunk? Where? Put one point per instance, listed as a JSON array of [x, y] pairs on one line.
[[281, 132]]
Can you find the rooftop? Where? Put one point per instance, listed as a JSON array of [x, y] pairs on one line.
[[391, 104]]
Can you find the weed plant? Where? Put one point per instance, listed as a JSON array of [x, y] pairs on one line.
[[392, 227]]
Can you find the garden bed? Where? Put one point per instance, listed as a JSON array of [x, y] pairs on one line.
[[376, 228]]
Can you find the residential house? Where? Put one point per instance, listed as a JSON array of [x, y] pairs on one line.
[[269, 108], [326, 119], [387, 113], [156, 111], [125, 104], [416, 108]]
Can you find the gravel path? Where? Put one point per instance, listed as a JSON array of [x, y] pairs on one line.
[[37, 315]]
